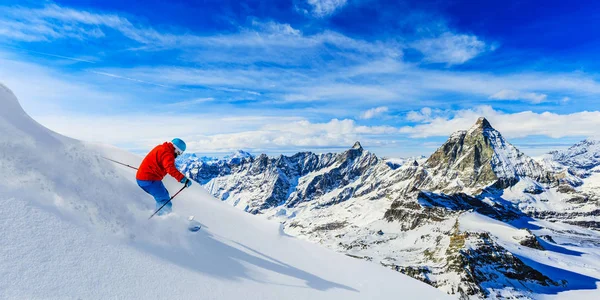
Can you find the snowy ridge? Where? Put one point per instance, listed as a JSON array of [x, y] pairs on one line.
[[255, 184], [584, 155], [237, 156], [76, 226]]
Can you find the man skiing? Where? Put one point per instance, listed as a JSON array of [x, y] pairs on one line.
[[155, 166]]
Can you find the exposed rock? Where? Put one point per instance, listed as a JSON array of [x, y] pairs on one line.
[[566, 189], [534, 190], [485, 253], [331, 226], [530, 240], [419, 273], [464, 202], [478, 158], [410, 215], [548, 238]]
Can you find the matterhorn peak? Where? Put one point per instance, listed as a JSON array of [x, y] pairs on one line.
[[481, 125], [357, 146]]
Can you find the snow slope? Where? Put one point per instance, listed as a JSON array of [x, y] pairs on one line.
[[75, 226]]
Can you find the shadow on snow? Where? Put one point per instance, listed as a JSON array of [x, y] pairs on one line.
[[213, 257]]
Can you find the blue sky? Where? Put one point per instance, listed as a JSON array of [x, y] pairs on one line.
[[287, 76]]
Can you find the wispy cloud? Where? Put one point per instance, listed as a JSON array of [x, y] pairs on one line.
[[129, 79], [43, 90], [450, 48], [202, 136], [76, 59], [48, 23], [373, 112], [297, 135], [399, 84], [517, 95], [189, 103], [56, 22], [513, 125], [322, 8], [425, 114]]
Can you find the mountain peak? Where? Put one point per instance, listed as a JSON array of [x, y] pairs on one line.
[[357, 145], [481, 125], [480, 157], [237, 156], [241, 153]]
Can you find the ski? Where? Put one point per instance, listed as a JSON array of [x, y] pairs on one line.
[[193, 225]]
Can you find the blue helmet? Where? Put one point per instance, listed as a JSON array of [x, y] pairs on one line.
[[179, 145]]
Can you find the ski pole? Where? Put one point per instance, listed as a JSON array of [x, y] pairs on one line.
[[167, 202], [119, 162]]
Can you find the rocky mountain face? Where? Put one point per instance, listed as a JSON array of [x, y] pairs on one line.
[[260, 183], [435, 219], [474, 159]]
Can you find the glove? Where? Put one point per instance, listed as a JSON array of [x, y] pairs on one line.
[[186, 182]]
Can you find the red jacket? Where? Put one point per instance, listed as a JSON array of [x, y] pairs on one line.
[[159, 162]]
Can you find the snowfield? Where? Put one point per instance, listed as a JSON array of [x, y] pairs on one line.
[[75, 226]]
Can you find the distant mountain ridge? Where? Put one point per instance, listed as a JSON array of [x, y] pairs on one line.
[[263, 182], [584, 155], [368, 207]]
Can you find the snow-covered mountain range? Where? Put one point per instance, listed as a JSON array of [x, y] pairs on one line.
[[478, 218], [580, 159]]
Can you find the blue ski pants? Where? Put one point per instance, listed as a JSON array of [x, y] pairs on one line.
[[157, 189]]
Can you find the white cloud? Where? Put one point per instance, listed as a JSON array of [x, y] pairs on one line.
[[43, 90], [129, 79], [297, 135], [373, 112], [450, 48], [323, 8], [486, 84], [385, 66], [417, 116], [276, 28], [208, 133], [345, 91], [401, 84], [56, 22], [513, 125], [139, 132], [189, 103], [517, 95]]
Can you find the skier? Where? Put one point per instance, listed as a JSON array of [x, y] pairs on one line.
[[155, 166]]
